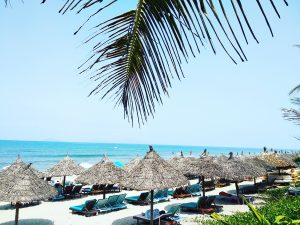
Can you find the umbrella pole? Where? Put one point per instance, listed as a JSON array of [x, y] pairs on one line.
[[151, 208], [254, 181], [17, 214], [237, 190], [104, 189], [203, 186], [63, 184]]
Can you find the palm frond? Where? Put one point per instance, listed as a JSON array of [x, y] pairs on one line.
[[292, 115], [144, 48]]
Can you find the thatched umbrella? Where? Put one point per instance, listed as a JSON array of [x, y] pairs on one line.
[[65, 167], [153, 173], [104, 172], [23, 185], [237, 170], [206, 167], [183, 164], [260, 165], [131, 164], [277, 160]]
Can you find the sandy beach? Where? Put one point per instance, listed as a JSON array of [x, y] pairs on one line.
[[58, 213]]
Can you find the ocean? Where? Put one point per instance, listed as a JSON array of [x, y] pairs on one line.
[[43, 154]]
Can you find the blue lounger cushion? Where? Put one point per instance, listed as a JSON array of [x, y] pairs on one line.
[[77, 208], [133, 198], [190, 205]]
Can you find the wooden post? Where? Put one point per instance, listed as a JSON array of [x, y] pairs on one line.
[[254, 181], [151, 208], [17, 214], [104, 189], [203, 186], [237, 191], [63, 184]]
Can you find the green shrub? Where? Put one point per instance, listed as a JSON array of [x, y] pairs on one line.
[[297, 159], [275, 194], [287, 207]]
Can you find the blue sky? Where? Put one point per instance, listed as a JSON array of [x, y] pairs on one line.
[[42, 97]]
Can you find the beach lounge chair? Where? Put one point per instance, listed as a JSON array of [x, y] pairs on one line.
[[157, 217], [67, 192], [209, 185], [86, 209], [101, 206], [97, 189], [142, 199], [205, 204], [181, 193], [294, 191], [224, 196], [160, 196], [76, 191], [194, 190], [120, 202]]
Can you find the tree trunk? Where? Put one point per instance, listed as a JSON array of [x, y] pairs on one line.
[[151, 208], [17, 214]]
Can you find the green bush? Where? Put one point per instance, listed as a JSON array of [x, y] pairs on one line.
[[297, 159], [287, 207], [275, 194]]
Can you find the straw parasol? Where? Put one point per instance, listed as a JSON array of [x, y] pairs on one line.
[[21, 184], [103, 172], [183, 164], [131, 164], [277, 160], [206, 167], [153, 173], [66, 167], [260, 165], [237, 169]]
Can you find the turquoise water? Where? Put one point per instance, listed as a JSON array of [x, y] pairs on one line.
[[45, 154]]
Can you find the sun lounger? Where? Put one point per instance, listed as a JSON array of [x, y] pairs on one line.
[[86, 209], [120, 203], [194, 190], [68, 191], [181, 193], [161, 196], [142, 199], [204, 204], [294, 191], [76, 191], [101, 206], [156, 219], [114, 202], [223, 196]]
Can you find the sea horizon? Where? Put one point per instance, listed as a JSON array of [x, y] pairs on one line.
[[44, 154]]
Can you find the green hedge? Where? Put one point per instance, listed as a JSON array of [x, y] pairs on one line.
[[289, 207]]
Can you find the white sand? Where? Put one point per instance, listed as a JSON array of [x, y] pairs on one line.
[[58, 213]]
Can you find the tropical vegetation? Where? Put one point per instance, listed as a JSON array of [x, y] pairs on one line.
[[277, 210]]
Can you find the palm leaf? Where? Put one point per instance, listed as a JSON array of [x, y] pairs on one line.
[[145, 47]]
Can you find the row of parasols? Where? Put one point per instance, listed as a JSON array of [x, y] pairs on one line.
[[21, 183]]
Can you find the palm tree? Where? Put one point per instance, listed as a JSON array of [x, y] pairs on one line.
[[144, 47]]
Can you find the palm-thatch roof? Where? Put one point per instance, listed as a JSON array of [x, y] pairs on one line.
[[237, 169], [66, 167], [258, 163], [183, 164], [153, 172], [17, 164], [131, 164], [19, 183], [206, 166], [277, 160], [103, 172]]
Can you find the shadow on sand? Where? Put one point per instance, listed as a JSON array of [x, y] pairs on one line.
[[125, 221], [30, 222]]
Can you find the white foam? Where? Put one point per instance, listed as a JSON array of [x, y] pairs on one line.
[[86, 165]]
